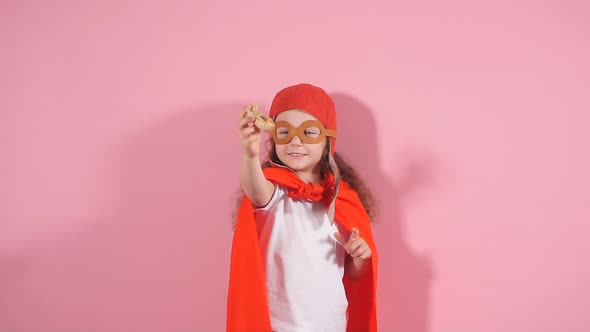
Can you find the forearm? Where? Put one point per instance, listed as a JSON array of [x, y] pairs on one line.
[[253, 182]]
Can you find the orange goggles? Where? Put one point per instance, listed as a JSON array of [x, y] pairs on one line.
[[310, 132]]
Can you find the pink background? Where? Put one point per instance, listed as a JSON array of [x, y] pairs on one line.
[[120, 155]]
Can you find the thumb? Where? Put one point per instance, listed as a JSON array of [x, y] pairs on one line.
[[355, 233], [340, 238]]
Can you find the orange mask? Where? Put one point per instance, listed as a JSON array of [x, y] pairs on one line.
[[310, 132]]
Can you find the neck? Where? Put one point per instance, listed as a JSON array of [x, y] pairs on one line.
[[310, 177]]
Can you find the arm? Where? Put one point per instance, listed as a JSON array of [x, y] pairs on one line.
[[359, 253], [252, 180]]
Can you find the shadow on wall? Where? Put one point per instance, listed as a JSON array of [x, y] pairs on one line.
[[404, 276], [157, 257], [177, 182]]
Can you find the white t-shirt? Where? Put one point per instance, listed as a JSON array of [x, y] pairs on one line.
[[304, 265]]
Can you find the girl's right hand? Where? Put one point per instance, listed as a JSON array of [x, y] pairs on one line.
[[249, 133]]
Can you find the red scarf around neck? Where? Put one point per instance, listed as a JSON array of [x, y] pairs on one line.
[[247, 306]]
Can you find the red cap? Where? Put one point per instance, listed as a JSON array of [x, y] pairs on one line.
[[309, 98]]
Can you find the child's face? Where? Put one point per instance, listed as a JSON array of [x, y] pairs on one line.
[[301, 157]]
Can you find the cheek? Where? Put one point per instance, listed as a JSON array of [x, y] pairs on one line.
[[280, 149], [319, 151]]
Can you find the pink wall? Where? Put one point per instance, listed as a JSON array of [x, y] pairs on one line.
[[120, 155]]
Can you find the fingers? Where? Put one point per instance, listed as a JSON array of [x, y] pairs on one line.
[[250, 133], [341, 239], [355, 246], [245, 110], [250, 111], [355, 233], [246, 124], [250, 117], [362, 255], [246, 116], [247, 131], [363, 252]]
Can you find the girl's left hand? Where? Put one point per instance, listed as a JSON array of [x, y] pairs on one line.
[[355, 246]]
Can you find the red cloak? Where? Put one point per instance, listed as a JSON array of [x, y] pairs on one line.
[[247, 306]]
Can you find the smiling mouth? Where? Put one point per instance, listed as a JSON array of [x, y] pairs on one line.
[[296, 154]]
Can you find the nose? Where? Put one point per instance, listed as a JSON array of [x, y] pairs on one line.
[[295, 140]]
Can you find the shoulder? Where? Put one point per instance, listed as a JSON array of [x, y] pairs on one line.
[[279, 193], [345, 190]]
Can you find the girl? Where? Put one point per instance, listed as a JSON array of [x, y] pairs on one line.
[[303, 256]]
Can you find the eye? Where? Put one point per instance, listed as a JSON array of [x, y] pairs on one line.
[[312, 132], [282, 132]]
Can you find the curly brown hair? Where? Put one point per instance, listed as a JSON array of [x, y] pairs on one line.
[[347, 174]]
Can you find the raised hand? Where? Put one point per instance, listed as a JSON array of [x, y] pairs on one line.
[[249, 133]]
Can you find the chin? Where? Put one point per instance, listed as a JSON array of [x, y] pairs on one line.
[[297, 168], [297, 165]]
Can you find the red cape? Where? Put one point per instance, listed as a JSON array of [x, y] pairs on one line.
[[247, 306]]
